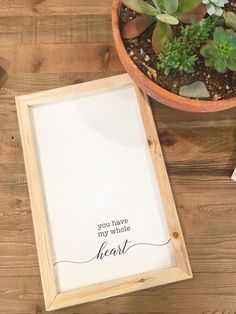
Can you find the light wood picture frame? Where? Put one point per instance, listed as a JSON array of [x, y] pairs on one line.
[[54, 298]]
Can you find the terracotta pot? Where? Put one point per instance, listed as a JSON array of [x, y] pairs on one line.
[[152, 89]]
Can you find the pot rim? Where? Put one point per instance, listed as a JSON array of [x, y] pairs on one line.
[[153, 89]]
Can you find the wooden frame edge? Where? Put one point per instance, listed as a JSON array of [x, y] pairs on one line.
[[116, 287], [39, 214], [53, 299], [163, 182], [73, 90]]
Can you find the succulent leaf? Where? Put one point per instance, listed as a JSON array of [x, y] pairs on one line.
[[156, 4], [171, 6], [162, 34], [140, 6], [209, 50], [233, 53], [161, 4], [232, 63], [166, 18], [209, 62], [220, 64], [230, 19], [187, 5], [137, 26], [230, 41], [195, 14], [219, 35]]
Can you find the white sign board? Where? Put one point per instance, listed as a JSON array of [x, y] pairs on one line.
[[105, 209]]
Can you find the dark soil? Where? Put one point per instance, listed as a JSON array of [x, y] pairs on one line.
[[219, 85]]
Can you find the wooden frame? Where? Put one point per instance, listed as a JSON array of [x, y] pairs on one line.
[[53, 299]]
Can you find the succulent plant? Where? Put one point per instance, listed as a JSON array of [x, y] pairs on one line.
[[215, 6], [220, 52], [164, 13], [181, 54]]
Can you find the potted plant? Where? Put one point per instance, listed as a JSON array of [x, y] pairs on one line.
[[182, 53]]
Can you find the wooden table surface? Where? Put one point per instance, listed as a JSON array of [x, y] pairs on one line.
[[53, 43]]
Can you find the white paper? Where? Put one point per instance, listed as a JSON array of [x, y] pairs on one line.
[[233, 177], [96, 169]]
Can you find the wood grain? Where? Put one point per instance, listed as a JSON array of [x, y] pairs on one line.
[[54, 7], [55, 29], [200, 152], [51, 58]]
